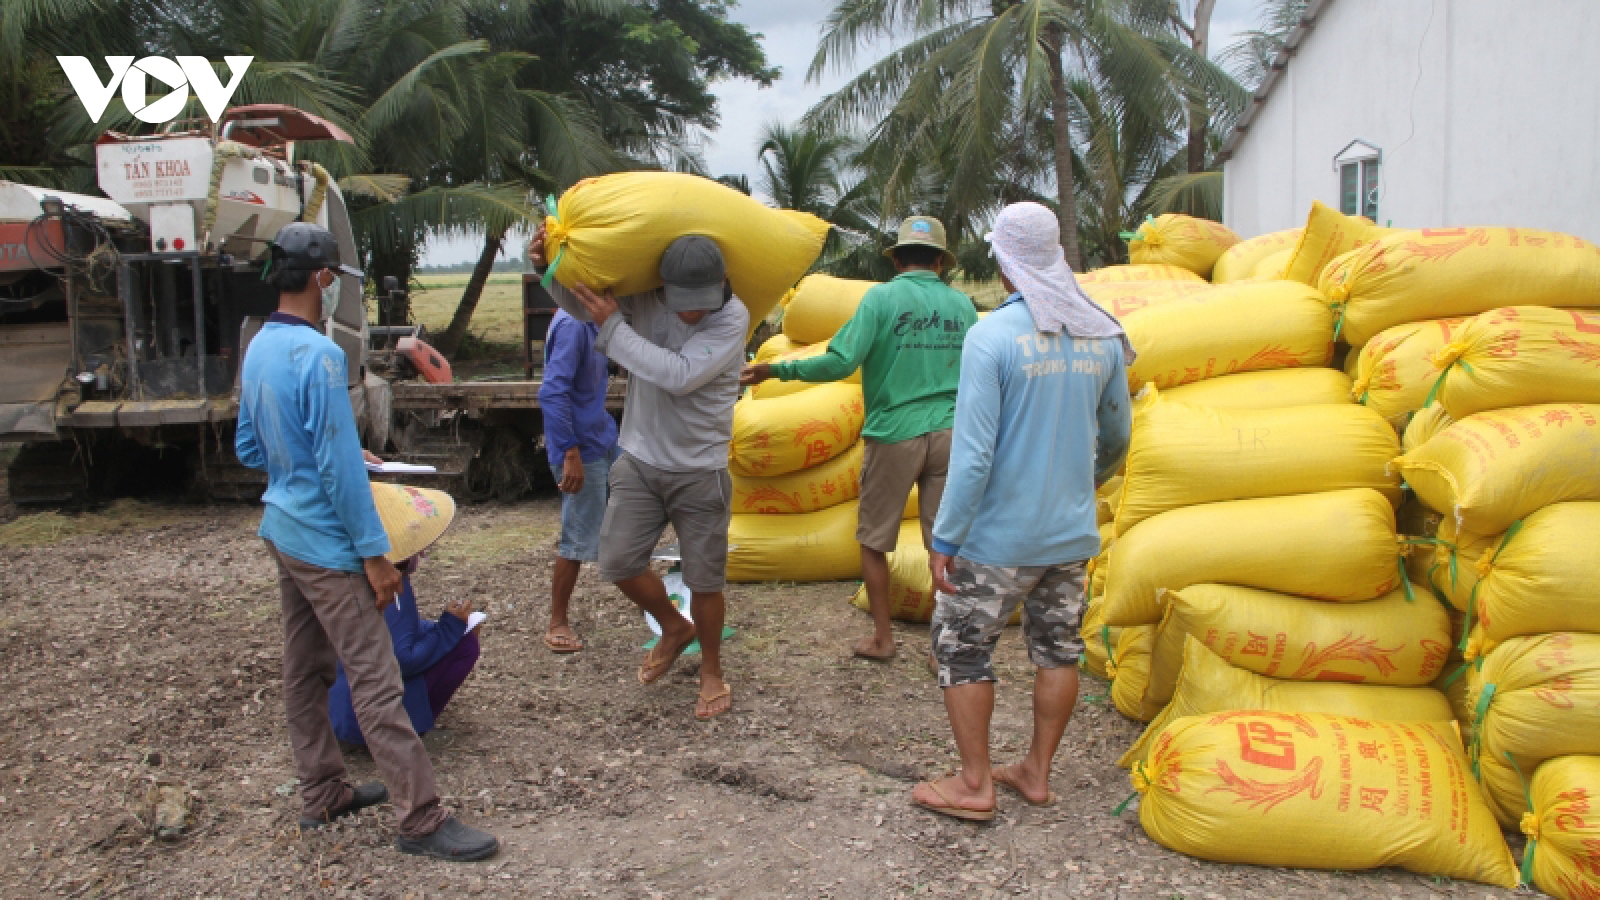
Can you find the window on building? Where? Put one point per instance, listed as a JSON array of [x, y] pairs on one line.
[[1357, 165], [1358, 189]]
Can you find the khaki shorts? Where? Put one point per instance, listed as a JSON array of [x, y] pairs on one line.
[[644, 499], [888, 472]]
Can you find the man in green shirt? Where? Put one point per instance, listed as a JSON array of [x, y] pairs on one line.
[[905, 337]]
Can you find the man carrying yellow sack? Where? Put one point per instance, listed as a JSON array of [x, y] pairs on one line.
[[682, 346], [906, 338]]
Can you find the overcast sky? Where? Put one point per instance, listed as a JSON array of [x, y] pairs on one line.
[[789, 30]]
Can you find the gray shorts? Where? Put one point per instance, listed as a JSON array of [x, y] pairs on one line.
[[967, 624], [644, 499], [888, 472]]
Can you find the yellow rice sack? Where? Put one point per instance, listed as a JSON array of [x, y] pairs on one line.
[[1395, 370], [1563, 854], [1520, 356], [911, 592], [816, 308], [1534, 698], [1207, 684], [1271, 267], [1238, 263], [1424, 424], [1542, 575], [1272, 389], [776, 346], [1437, 273], [1328, 233], [1396, 639], [1182, 455], [836, 481], [1314, 791], [793, 432], [1137, 273], [1123, 297], [1096, 568], [1235, 328], [774, 387], [1336, 545], [1129, 670], [1099, 642], [1453, 562], [913, 505], [1494, 468], [610, 232], [815, 546], [1105, 506], [1175, 239]]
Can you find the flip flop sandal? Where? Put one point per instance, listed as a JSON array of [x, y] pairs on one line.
[[707, 701], [654, 666], [563, 643], [857, 653], [1008, 784], [950, 809]]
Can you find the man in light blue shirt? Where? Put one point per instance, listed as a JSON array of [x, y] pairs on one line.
[[323, 532], [1042, 417]]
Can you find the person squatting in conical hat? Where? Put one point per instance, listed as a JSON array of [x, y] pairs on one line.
[[436, 656], [682, 345], [1042, 418], [905, 337], [323, 532]]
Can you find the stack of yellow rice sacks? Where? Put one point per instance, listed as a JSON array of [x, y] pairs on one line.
[[796, 453], [1255, 602]]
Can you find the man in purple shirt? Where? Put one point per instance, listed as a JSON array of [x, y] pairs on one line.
[[580, 439]]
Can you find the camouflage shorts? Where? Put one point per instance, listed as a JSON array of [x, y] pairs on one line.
[[967, 624]]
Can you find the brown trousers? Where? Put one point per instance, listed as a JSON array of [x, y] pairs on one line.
[[331, 616]]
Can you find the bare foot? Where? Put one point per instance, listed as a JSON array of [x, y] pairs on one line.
[[562, 639], [715, 699], [874, 649], [952, 796], [1015, 778]]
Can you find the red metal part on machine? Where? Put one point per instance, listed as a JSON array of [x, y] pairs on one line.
[[22, 245], [433, 367]]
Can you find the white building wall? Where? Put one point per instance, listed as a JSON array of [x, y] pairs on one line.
[[1487, 112]]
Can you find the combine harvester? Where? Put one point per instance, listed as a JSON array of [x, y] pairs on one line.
[[123, 321]]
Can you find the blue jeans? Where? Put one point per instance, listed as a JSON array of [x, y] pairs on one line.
[[582, 513]]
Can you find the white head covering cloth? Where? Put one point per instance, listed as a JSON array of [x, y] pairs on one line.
[[1027, 243]]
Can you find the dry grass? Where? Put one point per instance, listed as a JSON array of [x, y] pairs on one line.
[[498, 318], [50, 527]]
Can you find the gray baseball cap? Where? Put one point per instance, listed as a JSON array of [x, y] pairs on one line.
[[693, 272]]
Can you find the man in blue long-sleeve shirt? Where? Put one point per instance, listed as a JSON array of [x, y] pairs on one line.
[[323, 531], [580, 439], [1042, 417]]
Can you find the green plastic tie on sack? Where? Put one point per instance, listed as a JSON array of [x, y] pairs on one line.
[[550, 270], [1338, 326], [1405, 581], [1533, 842], [1128, 235], [1451, 678], [1105, 637], [1123, 806], [1478, 713]]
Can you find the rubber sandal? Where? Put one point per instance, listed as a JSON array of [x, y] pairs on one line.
[[562, 644], [952, 810], [858, 653], [707, 701], [1006, 782], [660, 666]]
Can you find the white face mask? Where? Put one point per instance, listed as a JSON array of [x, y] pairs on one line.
[[330, 299]]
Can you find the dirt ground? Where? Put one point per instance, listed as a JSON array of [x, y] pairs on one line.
[[140, 645]]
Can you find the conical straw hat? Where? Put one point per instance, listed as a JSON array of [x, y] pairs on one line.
[[413, 517]]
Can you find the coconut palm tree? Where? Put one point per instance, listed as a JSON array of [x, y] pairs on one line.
[[975, 72]]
